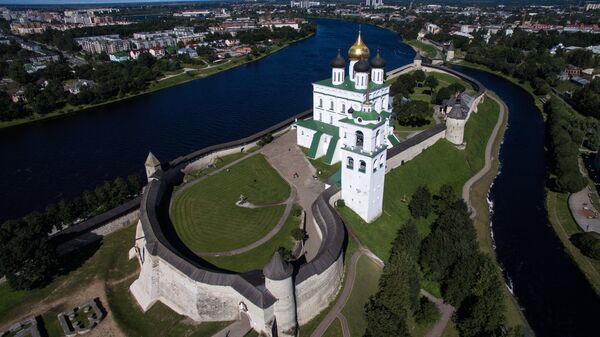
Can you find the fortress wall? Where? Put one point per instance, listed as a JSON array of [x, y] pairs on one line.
[[413, 151], [118, 223], [315, 294]]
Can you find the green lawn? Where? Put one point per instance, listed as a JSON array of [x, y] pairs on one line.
[[334, 330], [258, 257], [365, 285], [218, 163], [441, 164], [429, 50], [205, 215]]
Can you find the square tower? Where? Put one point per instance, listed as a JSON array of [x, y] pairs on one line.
[[363, 154]]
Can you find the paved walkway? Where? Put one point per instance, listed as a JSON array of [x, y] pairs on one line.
[[236, 329], [488, 155], [287, 158], [583, 211], [446, 311]]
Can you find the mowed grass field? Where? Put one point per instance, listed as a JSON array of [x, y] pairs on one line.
[[441, 164], [205, 215], [258, 257]]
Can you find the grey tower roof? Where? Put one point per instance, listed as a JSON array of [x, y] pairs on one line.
[[362, 66], [338, 61], [151, 160], [418, 56], [278, 269], [451, 46], [378, 61]]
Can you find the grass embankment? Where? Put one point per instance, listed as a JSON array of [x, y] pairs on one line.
[[564, 226], [427, 49], [441, 164], [259, 256], [334, 330], [205, 214], [184, 77], [96, 272], [365, 285]]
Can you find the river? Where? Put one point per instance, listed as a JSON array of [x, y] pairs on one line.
[[52, 159], [45, 161], [556, 297]]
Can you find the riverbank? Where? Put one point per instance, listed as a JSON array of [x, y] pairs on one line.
[[168, 81], [478, 200]]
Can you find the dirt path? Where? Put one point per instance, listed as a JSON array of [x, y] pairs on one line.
[[446, 311], [488, 156]]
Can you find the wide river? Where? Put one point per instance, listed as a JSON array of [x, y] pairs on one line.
[[46, 161]]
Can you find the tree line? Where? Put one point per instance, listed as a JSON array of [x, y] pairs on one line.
[[28, 256], [449, 255], [565, 134], [417, 112]]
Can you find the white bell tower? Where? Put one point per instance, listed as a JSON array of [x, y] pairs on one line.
[[363, 155]]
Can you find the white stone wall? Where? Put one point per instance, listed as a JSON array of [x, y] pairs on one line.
[[414, 151], [455, 130], [159, 281], [118, 223], [304, 136], [317, 292]]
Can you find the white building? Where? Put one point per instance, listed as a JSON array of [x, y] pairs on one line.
[[374, 3], [351, 123]]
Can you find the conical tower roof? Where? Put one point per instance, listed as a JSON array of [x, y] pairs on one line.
[[338, 61], [278, 269], [151, 160]]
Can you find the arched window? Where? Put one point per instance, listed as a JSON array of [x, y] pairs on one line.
[[375, 166], [331, 105], [330, 119], [344, 108], [359, 139], [377, 140], [350, 163], [320, 102], [362, 167]]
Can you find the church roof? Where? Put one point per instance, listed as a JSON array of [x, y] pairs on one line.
[[359, 49], [312, 124], [151, 160], [338, 61], [362, 66], [378, 61], [372, 125], [278, 269], [349, 85], [367, 116]]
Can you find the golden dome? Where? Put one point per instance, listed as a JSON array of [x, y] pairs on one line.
[[359, 50]]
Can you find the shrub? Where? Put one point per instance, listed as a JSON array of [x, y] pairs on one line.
[[340, 203], [588, 243], [427, 312]]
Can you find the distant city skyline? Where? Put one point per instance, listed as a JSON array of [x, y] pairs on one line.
[[92, 2]]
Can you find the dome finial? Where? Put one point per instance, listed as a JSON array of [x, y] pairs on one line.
[[359, 48]]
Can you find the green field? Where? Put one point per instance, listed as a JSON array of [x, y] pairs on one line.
[[429, 50], [259, 256], [205, 215], [334, 330], [441, 164], [365, 285]]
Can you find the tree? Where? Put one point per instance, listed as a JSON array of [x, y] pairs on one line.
[[413, 113], [382, 322], [404, 86], [17, 72], [420, 203], [26, 258], [299, 234], [588, 243], [419, 75], [442, 95], [431, 82]]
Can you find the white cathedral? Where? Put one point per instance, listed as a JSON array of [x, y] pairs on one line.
[[351, 123]]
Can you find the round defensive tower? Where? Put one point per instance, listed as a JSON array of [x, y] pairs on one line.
[[278, 281]]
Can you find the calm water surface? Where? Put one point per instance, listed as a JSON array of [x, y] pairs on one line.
[[556, 297]]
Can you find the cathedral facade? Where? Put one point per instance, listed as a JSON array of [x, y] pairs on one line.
[[351, 124]]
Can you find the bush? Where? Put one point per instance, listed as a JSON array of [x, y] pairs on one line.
[[420, 203], [299, 234], [588, 243], [427, 312], [340, 203]]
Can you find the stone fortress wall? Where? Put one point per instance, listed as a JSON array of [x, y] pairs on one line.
[[172, 274], [452, 130]]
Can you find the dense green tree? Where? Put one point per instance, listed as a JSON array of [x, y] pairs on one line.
[[420, 203], [431, 82], [588, 243], [412, 113], [26, 258], [382, 322]]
